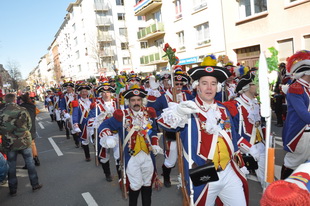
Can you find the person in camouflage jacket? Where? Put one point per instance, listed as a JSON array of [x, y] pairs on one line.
[[15, 124]]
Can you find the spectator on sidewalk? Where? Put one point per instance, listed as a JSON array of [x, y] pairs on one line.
[[15, 125]]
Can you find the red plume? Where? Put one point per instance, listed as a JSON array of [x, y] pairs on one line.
[[298, 56]]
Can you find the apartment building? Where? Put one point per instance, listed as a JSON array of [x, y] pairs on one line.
[[253, 26]]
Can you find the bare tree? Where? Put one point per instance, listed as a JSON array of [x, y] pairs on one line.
[[13, 70]]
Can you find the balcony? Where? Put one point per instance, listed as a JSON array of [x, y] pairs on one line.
[[106, 53], [104, 21], [154, 57], [100, 7], [105, 37], [145, 6], [151, 31]]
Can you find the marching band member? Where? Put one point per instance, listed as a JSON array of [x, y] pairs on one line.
[[106, 106], [296, 130], [213, 140], [138, 135], [49, 104], [169, 139], [247, 120], [57, 110], [67, 102], [80, 117]]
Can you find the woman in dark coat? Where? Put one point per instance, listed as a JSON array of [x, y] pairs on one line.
[[31, 108]]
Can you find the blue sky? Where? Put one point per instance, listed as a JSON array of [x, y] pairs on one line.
[[27, 29]]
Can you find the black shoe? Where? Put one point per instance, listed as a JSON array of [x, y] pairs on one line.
[[13, 193], [88, 159], [77, 145], [24, 167], [36, 161], [108, 178], [167, 183], [68, 137], [37, 187]]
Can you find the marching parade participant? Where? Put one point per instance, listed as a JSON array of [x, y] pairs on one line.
[[296, 130], [165, 81], [159, 104], [67, 102], [245, 111], [209, 142], [105, 107], [57, 110], [139, 142], [49, 104], [80, 117]]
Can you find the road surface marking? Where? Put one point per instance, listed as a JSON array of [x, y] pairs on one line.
[[89, 199], [56, 148], [41, 125]]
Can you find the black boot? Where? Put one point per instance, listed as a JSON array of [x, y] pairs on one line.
[[36, 161], [133, 197], [107, 171], [285, 172], [67, 133], [76, 140], [86, 152], [166, 174], [146, 193], [52, 118], [118, 172], [60, 125]]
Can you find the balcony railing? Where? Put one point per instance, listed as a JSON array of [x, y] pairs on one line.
[[106, 53], [101, 7], [105, 37], [153, 58], [151, 31], [104, 21], [145, 6]]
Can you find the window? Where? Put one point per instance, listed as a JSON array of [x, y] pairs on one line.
[[181, 40], [307, 42], [77, 54], [157, 16], [199, 4], [286, 49], [141, 18], [120, 2], [124, 45], [75, 41], [178, 9], [143, 45], [202, 34], [126, 60], [121, 16], [251, 7], [123, 31]]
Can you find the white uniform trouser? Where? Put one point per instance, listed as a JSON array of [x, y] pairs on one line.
[[228, 188], [57, 114], [51, 109], [301, 154], [140, 171], [115, 155], [171, 159]]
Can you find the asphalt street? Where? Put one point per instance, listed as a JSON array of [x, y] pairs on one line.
[[68, 180]]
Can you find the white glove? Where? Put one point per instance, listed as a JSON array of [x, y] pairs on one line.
[[108, 142], [153, 84], [76, 129], [187, 107], [48, 99], [157, 150], [66, 116], [244, 170], [254, 151]]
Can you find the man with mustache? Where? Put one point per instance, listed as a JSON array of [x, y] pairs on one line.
[[137, 131], [160, 103]]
